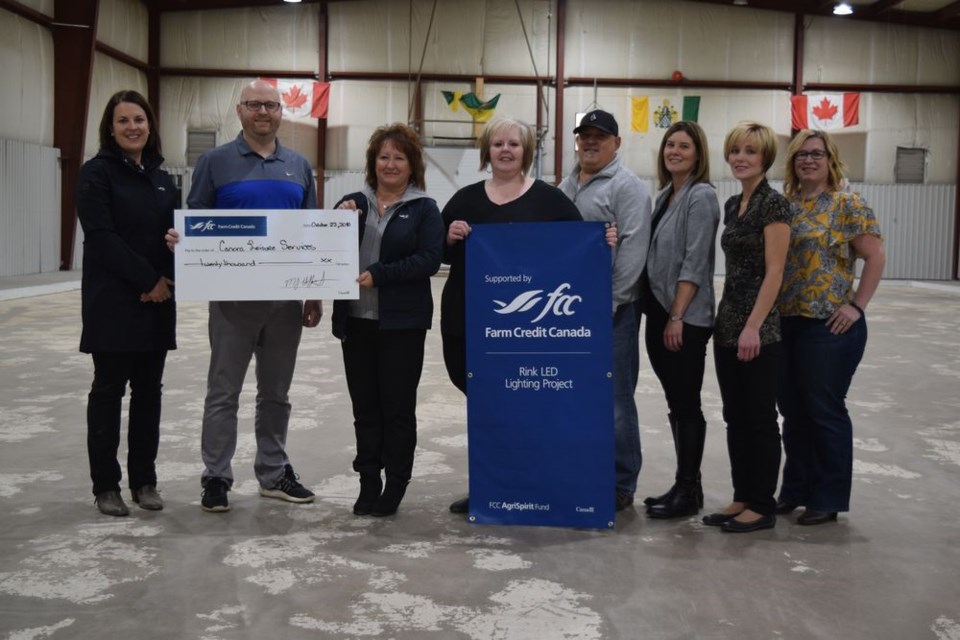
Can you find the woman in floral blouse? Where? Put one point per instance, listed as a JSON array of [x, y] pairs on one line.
[[824, 326], [746, 339]]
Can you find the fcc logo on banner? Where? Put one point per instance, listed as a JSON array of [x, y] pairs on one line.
[[223, 226]]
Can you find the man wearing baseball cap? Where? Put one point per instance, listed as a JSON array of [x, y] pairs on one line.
[[604, 189]]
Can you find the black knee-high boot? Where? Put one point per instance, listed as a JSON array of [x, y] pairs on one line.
[[688, 497], [663, 497]]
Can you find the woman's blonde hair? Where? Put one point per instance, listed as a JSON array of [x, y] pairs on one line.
[[835, 166], [764, 135], [500, 124]]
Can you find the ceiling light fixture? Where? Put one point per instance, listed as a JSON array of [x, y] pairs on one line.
[[842, 9], [292, 1], [740, 3]]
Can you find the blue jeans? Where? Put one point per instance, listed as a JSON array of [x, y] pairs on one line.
[[626, 370], [818, 367]]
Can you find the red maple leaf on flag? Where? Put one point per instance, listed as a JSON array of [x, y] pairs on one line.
[[825, 110], [294, 98]]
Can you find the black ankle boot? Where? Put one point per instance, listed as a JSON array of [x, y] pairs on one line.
[[682, 503], [651, 501], [370, 487], [388, 503]]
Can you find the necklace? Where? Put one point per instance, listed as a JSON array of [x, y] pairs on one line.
[[386, 200]]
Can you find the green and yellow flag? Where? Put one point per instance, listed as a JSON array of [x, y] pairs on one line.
[[480, 110], [453, 99]]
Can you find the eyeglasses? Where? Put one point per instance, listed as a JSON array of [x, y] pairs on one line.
[[256, 105], [800, 156]]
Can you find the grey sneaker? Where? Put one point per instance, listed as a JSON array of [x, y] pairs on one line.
[[214, 497], [288, 488], [148, 497], [111, 503]]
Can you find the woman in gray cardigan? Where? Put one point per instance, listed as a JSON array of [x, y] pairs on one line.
[[679, 303]]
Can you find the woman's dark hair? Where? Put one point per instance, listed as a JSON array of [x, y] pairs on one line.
[[407, 142], [106, 122], [701, 168]]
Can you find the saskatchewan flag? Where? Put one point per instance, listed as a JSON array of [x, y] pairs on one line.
[[664, 115], [480, 110]]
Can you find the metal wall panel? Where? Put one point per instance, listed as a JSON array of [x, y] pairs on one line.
[[29, 208], [916, 222]]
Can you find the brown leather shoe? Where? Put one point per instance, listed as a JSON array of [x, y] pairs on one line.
[[111, 503], [148, 497]]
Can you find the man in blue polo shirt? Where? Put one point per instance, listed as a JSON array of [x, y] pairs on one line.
[[253, 172]]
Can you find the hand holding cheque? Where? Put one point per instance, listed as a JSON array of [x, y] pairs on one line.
[[266, 255]]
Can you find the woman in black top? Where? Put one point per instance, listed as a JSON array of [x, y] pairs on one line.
[[746, 339], [125, 203], [508, 195]]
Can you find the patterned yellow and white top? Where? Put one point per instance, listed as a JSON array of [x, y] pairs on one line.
[[820, 267]]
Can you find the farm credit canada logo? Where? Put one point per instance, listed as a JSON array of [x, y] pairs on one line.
[[558, 303], [222, 226], [540, 306]]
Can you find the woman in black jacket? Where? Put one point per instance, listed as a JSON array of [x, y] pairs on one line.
[[125, 203], [383, 333]]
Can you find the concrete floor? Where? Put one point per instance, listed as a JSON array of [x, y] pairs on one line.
[[269, 570]]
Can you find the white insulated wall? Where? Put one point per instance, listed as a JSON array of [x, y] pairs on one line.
[[29, 208]]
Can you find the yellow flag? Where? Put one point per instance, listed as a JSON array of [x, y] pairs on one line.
[[640, 114]]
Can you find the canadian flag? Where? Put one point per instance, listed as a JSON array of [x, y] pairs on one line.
[[302, 98], [825, 110]]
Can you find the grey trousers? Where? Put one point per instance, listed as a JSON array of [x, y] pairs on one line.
[[270, 331]]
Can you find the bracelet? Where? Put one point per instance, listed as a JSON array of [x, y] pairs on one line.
[[857, 307], [676, 318]]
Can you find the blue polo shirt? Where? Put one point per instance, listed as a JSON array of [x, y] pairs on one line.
[[234, 176]]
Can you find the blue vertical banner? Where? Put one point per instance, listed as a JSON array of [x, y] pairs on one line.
[[539, 374]]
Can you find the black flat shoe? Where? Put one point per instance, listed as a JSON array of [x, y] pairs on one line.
[[718, 519], [763, 522], [785, 508], [811, 517], [460, 506]]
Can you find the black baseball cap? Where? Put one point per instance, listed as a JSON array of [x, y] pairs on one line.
[[599, 119]]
